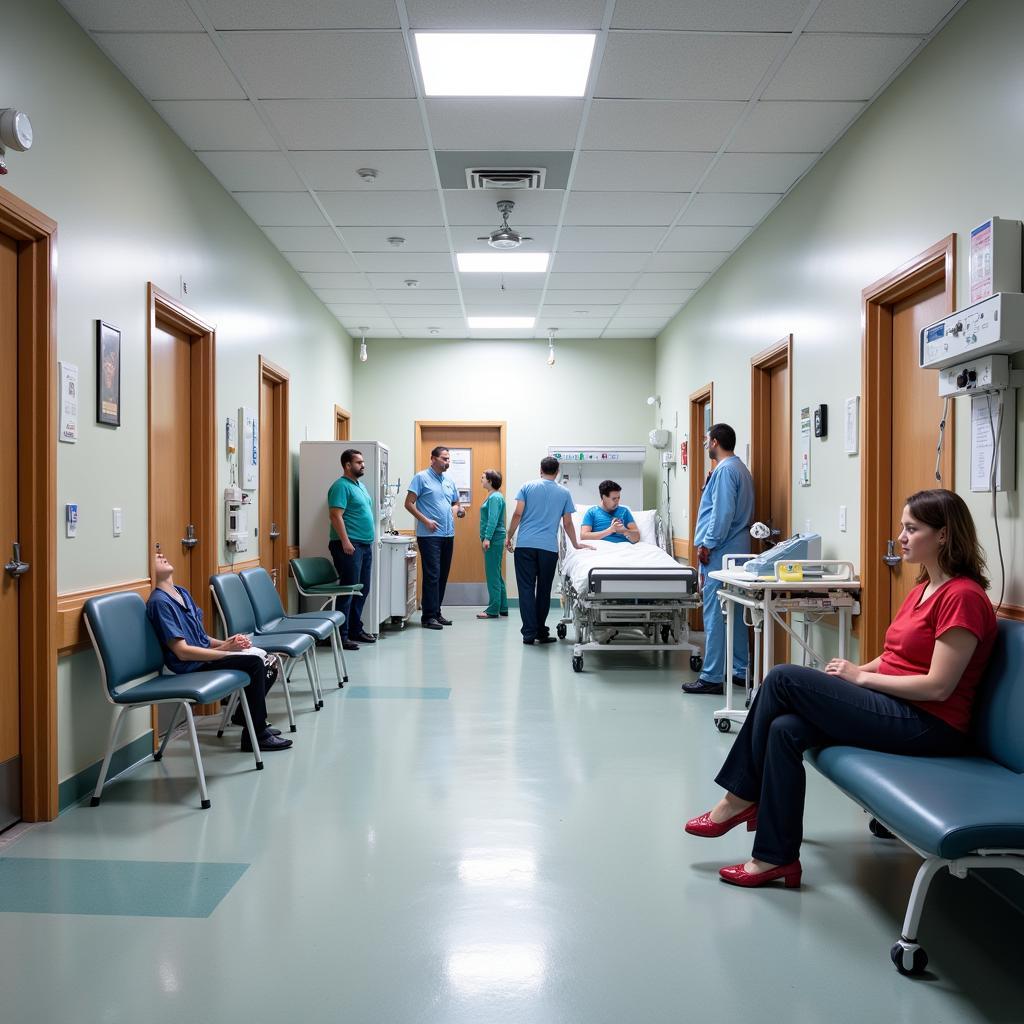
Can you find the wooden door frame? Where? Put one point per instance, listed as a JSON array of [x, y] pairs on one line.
[[280, 461], [937, 263], [340, 415], [707, 392], [36, 235], [761, 367]]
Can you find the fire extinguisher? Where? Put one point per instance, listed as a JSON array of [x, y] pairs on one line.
[[684, 453]]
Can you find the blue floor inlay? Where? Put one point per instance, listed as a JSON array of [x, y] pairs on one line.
[[126, 888], [399, 692]]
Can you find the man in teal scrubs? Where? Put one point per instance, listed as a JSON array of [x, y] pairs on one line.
[[611, 520], [351, 544]]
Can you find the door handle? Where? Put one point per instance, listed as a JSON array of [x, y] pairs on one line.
[[16, 567], [190, 540], [274, 531], [890, 557]]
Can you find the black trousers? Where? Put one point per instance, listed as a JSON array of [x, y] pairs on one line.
[[256, 692], [799, 708], [354, 568], [436, 556], [535, 572]]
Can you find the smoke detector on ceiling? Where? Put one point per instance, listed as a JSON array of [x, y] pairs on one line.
[[505, 177], [504, 237], [411, 282], [368, 174], [396, 241]]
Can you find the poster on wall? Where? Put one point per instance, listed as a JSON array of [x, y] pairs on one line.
[[108, 374], [460, 472], [68, 402], [249, 453]]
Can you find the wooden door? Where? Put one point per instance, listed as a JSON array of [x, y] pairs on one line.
[[10, 703], [342, 424], [467, 581], [274, 474], [701, 419]]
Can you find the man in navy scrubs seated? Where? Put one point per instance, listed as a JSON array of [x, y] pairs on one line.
[[178, 622], [610, 520]]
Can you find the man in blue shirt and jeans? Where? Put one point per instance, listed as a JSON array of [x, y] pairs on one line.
[[431, 500], [540, 506]]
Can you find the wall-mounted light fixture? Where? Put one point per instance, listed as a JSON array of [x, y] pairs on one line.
[[654, 400], [363, 355], [551, 345]]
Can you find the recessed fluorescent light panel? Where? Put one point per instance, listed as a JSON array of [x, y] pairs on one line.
[[500, 322], [503, 262], [505, 63]]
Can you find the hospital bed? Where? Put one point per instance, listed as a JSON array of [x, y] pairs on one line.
[[626, 597]]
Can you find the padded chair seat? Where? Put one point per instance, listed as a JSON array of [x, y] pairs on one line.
[[292, 644], [317, 625], [204, 687], [944, 806], [328, 589]]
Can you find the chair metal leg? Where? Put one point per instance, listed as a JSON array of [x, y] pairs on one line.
[[229, 710], [251, 729], [115, 727], [339, 651], [310, 675], [170, 732], [282, 671], [925, 873], [316, 675], [204, 798]]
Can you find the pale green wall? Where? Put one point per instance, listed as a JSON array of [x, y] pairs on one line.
[[940, 151], [596, 393], [134, 205]]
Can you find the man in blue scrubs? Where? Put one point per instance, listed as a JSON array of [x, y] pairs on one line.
[[540, 506], [723, 518], [611, 520], [431, 500]]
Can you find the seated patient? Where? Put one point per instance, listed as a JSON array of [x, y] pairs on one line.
[[178, 622], [609, 520], [915, 698]]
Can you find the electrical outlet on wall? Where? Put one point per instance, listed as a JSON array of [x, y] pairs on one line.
[[842, 519]]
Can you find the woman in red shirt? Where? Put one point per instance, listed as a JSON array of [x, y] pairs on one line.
[[915, 698]]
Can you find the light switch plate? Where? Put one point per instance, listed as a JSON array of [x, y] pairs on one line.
[[118, 521], [842, 519]]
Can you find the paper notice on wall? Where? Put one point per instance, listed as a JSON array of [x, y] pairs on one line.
[[986, 428], [805, 446], [981, 262], [460, 472], [68, 403]]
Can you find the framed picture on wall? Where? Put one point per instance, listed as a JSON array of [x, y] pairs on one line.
[[108, 374]]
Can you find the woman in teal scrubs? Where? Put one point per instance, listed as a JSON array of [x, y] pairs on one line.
[[492, 539]]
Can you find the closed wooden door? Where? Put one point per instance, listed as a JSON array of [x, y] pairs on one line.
[[342, 424], [916, 412], [10, 706], [274, 475], [467, 581]]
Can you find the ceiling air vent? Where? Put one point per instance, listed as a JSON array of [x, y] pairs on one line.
[[505, 177]]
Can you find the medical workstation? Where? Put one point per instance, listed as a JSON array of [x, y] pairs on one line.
[[457, 458]]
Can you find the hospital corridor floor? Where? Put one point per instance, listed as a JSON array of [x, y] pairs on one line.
[[468, 833]]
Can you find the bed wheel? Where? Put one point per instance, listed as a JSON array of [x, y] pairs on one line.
[[577, 663], [908, 957], [560, 630], [696, 662], [723, 724], [666, 632], [878, 830]]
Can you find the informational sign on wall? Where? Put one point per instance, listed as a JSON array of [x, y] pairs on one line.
[[68, 402], [460, 472], [805, 446], [249, 453]]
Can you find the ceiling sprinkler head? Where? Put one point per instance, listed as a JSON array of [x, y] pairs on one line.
[[434, 330], [368, 174], [411, 282], [397, 241]]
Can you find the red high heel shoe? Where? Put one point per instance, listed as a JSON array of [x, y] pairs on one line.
[[704, 826], [736, 874]]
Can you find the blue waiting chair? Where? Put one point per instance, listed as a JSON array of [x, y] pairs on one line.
[[271, 617], [131, 661]]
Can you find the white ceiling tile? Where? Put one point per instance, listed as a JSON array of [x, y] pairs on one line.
[[574, 311], [632, 333], [448, 335], [427, 282], [499, 15], [492, 282], [297, 14], [562, 282], [504, 124], [647, 323], [682, 281], [422, 323], [598, 262], [361, 208], [569, 328], [709, 15], [685, 65], [216, 124], [252, 171], [293, 239], [354, 313], [417, 296], [659, 296], [450, 310], [280, 208], [353, 124], [401, 170], [466, 238], [133, 15], [606, 170], [609, 239], [380, 332], [655, 309], [696, 125], [673, 262], [348, 296], [778, 126], [624, 208], [322, 65], [696, 239], [510, 304], [317, 280], [757, 172], [395, 262], [321, 262], [580, 299], [839, 67], [171, 65], [916, 16], [353, 323], [734, 208], [467, 206], [573, 334], [375, 239]]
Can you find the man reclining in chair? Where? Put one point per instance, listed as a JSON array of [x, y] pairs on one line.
[[178, 622]]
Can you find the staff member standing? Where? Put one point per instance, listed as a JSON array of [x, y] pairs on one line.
[[540, 506], [492, 540], [351, 513], [726, 509], [431, 500]]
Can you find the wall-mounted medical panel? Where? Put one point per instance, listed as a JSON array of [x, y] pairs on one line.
[[995, 324]]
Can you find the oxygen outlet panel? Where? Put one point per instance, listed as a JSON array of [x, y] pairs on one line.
[[994, 325]]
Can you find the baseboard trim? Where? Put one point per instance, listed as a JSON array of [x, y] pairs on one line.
[[73, 789]]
